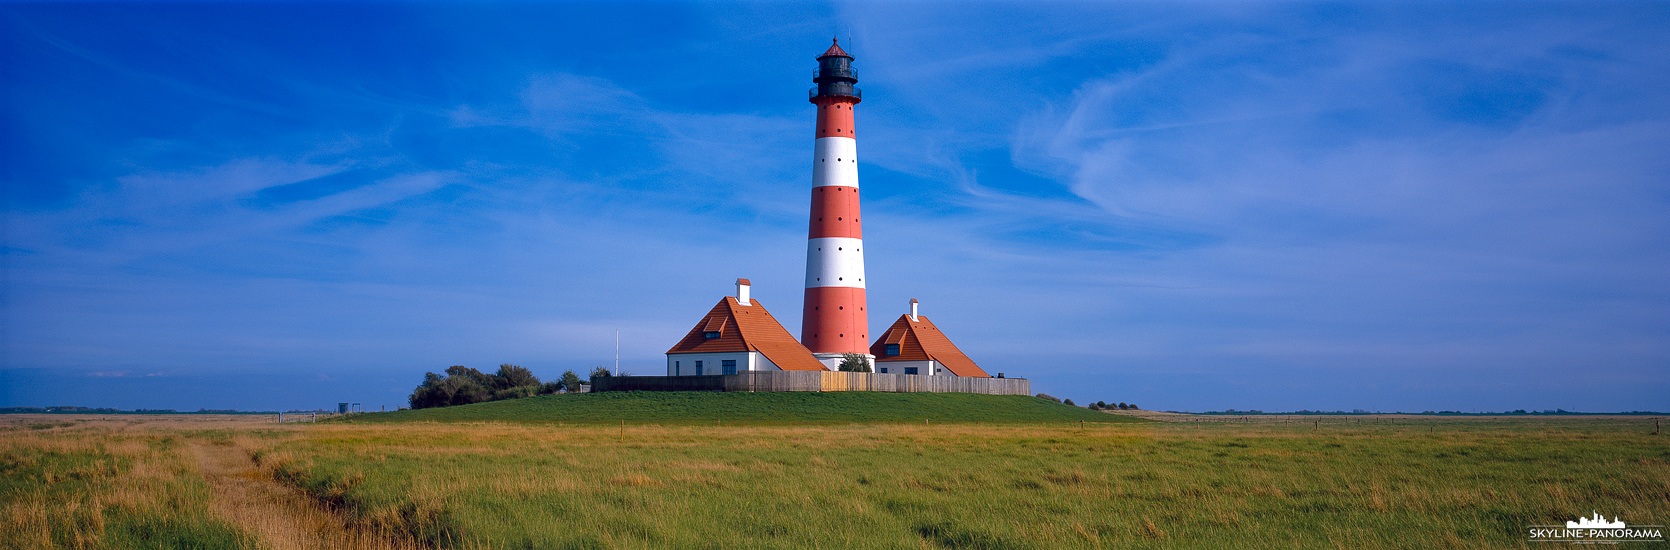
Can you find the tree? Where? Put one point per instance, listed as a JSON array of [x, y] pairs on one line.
[[599, 372], [471, 375], [1068, 402], [1123, 406], [570, 381], [1101, 405], [1133, 407], [853, 362], [512, 376], [461, 386]]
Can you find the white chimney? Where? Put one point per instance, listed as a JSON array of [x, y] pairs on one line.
[[913, 310], [742, 292]]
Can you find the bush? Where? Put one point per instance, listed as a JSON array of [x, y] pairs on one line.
[[1101, 405], [599, 372], [462, 385], [1068, 402], [853, 362], [1133, 407], [550, 388], [512, 376], [1048, 397], [570, 381], [516, 392]]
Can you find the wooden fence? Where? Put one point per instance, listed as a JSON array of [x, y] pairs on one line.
[[816, 381]]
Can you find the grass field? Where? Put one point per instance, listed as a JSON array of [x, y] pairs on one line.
[[531, 483], [66, 485]]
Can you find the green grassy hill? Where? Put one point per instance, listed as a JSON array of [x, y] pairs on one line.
[[762, 408]]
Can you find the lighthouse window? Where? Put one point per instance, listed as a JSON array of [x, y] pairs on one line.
[[840, 307]]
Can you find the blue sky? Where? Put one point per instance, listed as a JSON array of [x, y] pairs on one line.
[[1196, 206]]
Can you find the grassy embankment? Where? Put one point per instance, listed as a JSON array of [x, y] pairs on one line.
[[762, 408], [66, 485]]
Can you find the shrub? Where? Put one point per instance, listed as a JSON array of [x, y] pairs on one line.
[[570, 381], [516, 392], [599, 372], [550, 388], [462, 385], [1048, 397], [1068, 402], [1101, 405], [456, 388], [853, 362], [512, 376]]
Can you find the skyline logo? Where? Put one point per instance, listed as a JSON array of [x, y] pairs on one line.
[[1597, 522], [1595, 530]]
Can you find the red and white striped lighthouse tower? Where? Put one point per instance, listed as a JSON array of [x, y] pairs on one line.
[[835, 321]]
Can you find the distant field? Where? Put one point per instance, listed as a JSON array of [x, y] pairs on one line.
[[537, 484], [761, 408]]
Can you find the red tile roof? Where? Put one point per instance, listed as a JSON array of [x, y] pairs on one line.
[[920, 340], [834, 49], [747, 328]]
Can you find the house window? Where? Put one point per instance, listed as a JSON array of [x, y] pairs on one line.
[[892, 349], [908, 370], [711, 334], [698, 368], [729, 366], [882, 370]]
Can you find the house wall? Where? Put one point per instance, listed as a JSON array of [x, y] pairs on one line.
[[923, 368], [684, 364], [818, 381]]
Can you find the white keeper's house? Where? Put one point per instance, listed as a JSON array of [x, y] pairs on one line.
[[738, 335], [913, 345]]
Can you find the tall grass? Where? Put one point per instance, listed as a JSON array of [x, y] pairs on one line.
[[94, 487], [981, 486]]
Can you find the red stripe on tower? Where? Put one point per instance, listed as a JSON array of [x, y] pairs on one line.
[[834, 321]]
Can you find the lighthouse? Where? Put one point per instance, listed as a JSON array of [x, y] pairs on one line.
[[834, 321]]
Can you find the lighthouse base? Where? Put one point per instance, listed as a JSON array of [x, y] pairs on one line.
[[833, 360]]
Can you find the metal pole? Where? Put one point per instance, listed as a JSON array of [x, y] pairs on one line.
[[617, 352]]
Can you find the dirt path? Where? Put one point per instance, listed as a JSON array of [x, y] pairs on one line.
[[283, 517]]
